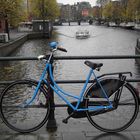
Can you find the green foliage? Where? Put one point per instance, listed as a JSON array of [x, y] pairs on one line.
[[128, 11], [45, 9], [11, 9], [112, 11], [107, 11], [137, 4], [131, 10]]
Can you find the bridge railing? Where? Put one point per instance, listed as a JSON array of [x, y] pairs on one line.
[[52, 122], [2, 59]]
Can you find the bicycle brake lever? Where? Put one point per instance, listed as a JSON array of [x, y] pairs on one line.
[[98, 69], [40, 57], [131, 74]]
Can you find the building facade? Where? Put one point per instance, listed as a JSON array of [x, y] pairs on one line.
[[78, 11], [66, 12]]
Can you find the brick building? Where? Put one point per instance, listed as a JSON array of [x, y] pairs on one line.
[[79, 10]]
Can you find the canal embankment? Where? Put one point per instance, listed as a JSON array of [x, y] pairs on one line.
[[17, 40], [41, 29], [9, 47]]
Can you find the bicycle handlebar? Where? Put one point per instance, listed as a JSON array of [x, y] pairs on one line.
[[61, 49], [55, 46]]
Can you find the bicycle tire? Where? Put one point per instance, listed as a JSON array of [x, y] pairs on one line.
[[24, 119], [118, 119]]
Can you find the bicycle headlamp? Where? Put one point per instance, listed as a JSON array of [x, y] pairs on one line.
[[53, 45]]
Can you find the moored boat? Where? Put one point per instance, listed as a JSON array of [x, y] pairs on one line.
[[137, 26], [129, 25]]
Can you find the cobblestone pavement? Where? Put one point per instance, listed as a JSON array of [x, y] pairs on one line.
[[76, 129]]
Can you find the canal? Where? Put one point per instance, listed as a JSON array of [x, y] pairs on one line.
[[102, 41]]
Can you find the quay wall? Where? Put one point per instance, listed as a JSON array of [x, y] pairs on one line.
[[7, 48]]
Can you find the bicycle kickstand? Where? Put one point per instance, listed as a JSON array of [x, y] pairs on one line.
[[66, 120]]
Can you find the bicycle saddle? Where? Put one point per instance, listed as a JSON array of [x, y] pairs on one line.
[[93, 65]]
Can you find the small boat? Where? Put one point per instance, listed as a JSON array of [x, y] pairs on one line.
[[137, 26], [82, 34], [129, 25]]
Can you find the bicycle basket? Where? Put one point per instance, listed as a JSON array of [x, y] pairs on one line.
[[109, 85]]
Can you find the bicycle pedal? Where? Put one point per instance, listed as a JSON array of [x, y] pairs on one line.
[[65, 121]]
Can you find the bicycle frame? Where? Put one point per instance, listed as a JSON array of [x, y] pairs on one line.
[[62, 93], [19, 101]]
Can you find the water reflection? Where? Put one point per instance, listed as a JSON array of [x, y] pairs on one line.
[[113, 136]]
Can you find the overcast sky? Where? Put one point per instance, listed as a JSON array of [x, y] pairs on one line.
[[92, 2]]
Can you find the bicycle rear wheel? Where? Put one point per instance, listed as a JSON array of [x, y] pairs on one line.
[[120, 117], [19, 118]]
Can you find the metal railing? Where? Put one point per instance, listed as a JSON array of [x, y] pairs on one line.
[[52, 122], [72, 58]]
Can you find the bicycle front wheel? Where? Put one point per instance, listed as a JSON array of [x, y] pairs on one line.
[[120, 117], [20, 118]]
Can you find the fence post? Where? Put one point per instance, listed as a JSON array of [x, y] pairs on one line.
[[51, 124]]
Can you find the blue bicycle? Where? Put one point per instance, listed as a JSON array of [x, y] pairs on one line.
[[109, 102]]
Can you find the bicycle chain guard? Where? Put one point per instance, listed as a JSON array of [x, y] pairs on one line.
[[79, 114], [82, 114]]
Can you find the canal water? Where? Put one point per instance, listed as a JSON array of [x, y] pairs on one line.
[[102, 41]]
